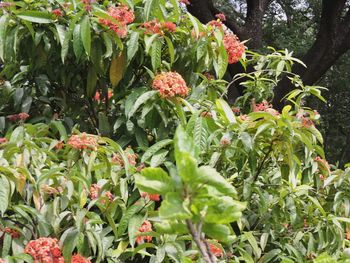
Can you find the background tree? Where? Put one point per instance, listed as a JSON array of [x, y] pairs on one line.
[[317, 31]]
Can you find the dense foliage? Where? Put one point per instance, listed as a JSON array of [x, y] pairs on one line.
[[118, 144]]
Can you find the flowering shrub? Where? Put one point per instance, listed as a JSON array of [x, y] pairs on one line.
[[163, 169]]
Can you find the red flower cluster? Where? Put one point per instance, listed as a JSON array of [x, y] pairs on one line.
[[3, 140], [156, 27], [146, 227], [20, 116], [123, 15], [2, 261], [44, 250], [234, 48], [216, 251], [83, 141], [14, 233], [225, 141], [77, 258], [170, 84], [265, 106], [95, 190], [221, 17], [57, 12], [59, 145], [152, 197]]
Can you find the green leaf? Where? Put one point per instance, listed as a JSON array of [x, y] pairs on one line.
[[154, 181], [218, 232], [4, 19], [156, 54], [225, 111], [150, 5], [222, 62], [200, 133], [252, 241], [183, 144], [173, 208], [132, 45], [223, 210], [69, 239], [134, 224], [85, 31], [36, 17], [141, 100], [155, 148], [124, 221], [158, 158], [91, 82], [209, 176], [5, 191], [78, 47], [171, 49], [60, 128], [187, 167], [270, 256], [246, 140]]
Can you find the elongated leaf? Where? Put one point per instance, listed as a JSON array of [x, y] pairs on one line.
[[132, 45], [156, 54], [85, 31], [4, 194], [36, 17], [124, 221], [141, 100], [116, 71], [155, 148], [225, 111], [91, 81], [3, 27], [77, 42], [173, 207]]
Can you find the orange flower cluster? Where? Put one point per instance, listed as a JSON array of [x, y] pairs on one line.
[[77, 258], [216, 251], [234, 48], [83, 141], [264, 106], [152, 197], [145, 227], [6, 4], [123, 15], [57, 12], [156, 27], [132, 157], [20, 116], [304, 117], [14, 233], [3, 140], [170, 84], [44, 250], [95, 190]]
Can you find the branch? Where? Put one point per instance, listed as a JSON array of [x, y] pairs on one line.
[[201, 244]]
